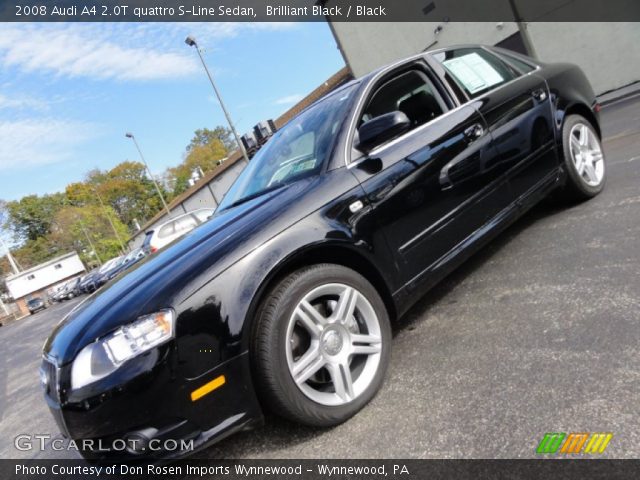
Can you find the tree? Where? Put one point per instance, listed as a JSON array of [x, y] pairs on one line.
[[204, 136], [125, 188], [73, 225], [30, 217], [39, 250], [204, 157]]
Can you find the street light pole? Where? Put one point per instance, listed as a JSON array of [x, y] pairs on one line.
[[113, 227], [192, 43], [12, 261], [155, 184]]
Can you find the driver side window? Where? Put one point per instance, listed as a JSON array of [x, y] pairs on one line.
[[411, 93]]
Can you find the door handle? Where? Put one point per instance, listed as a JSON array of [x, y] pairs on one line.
[[539, 94], [474, 132]]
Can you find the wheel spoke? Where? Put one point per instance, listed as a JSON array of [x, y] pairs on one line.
[[365, 349], [575, 143], [584, 135], [596, 156], [346, 305], [579, 162], [591, 172], [310, 318], [307, 365], [342, 380], [364, 344]]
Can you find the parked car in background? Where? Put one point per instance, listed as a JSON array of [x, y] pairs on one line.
[[340, 224], [94, 279], [35, 304], [61, 291], [69, 289], [130, 260], [175, 228], [54, 295], [103, 275], [87, 280], [77, 289]]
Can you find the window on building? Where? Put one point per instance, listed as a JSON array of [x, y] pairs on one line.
[[476, 70]]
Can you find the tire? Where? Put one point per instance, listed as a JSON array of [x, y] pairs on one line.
[[281, 339], [588, 181]]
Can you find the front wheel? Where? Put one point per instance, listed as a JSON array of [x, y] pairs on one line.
[[583, 158], [321, 345]]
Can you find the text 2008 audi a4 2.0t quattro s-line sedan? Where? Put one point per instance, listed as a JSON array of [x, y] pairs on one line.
[[282, 301]]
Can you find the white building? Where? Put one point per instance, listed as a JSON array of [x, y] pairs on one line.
[[36, 281], [606, 51]]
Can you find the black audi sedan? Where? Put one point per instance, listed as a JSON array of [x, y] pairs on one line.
[[282, 301]]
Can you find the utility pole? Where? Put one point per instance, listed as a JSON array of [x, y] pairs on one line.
[[4, 308], [155, 184], [113, 227], [86, 235], [12, 261]]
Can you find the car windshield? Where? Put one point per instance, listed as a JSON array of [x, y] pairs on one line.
[[296, 151]]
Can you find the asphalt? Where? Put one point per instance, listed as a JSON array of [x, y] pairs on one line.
[[539, 332]]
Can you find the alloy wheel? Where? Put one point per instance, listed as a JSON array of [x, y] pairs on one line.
[[334, 344], [586, 154]]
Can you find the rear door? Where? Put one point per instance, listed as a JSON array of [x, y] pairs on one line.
[[428, 187], [516, 105]]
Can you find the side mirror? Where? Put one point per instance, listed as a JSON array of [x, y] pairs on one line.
[[380, 129]]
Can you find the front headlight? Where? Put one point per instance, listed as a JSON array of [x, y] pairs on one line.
[[104, 356]]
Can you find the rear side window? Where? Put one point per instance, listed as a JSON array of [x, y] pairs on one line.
[[166, 230], [523, 67], [185, 223], [476, 70]]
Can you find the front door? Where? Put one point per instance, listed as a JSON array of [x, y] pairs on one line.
[[429, 188]]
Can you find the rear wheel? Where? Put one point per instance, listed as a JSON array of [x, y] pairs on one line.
[[583, 159], [321, 345]]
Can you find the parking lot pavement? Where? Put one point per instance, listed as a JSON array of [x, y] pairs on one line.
[[537, 333], [22, 407]]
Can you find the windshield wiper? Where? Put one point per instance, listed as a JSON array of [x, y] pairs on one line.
[[257, 194]]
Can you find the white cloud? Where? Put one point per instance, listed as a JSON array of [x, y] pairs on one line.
[[37, 142], [88, 51], [22, 102], [124, 52], [289, 99]]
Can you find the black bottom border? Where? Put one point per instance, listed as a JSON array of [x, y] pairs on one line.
[[552, 468]]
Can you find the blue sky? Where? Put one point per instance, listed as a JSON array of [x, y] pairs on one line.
[[69, 92]]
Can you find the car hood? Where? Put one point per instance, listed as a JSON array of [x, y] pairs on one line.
[[166, 278]]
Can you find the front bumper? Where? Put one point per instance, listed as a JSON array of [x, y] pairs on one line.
[[148, 413]]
